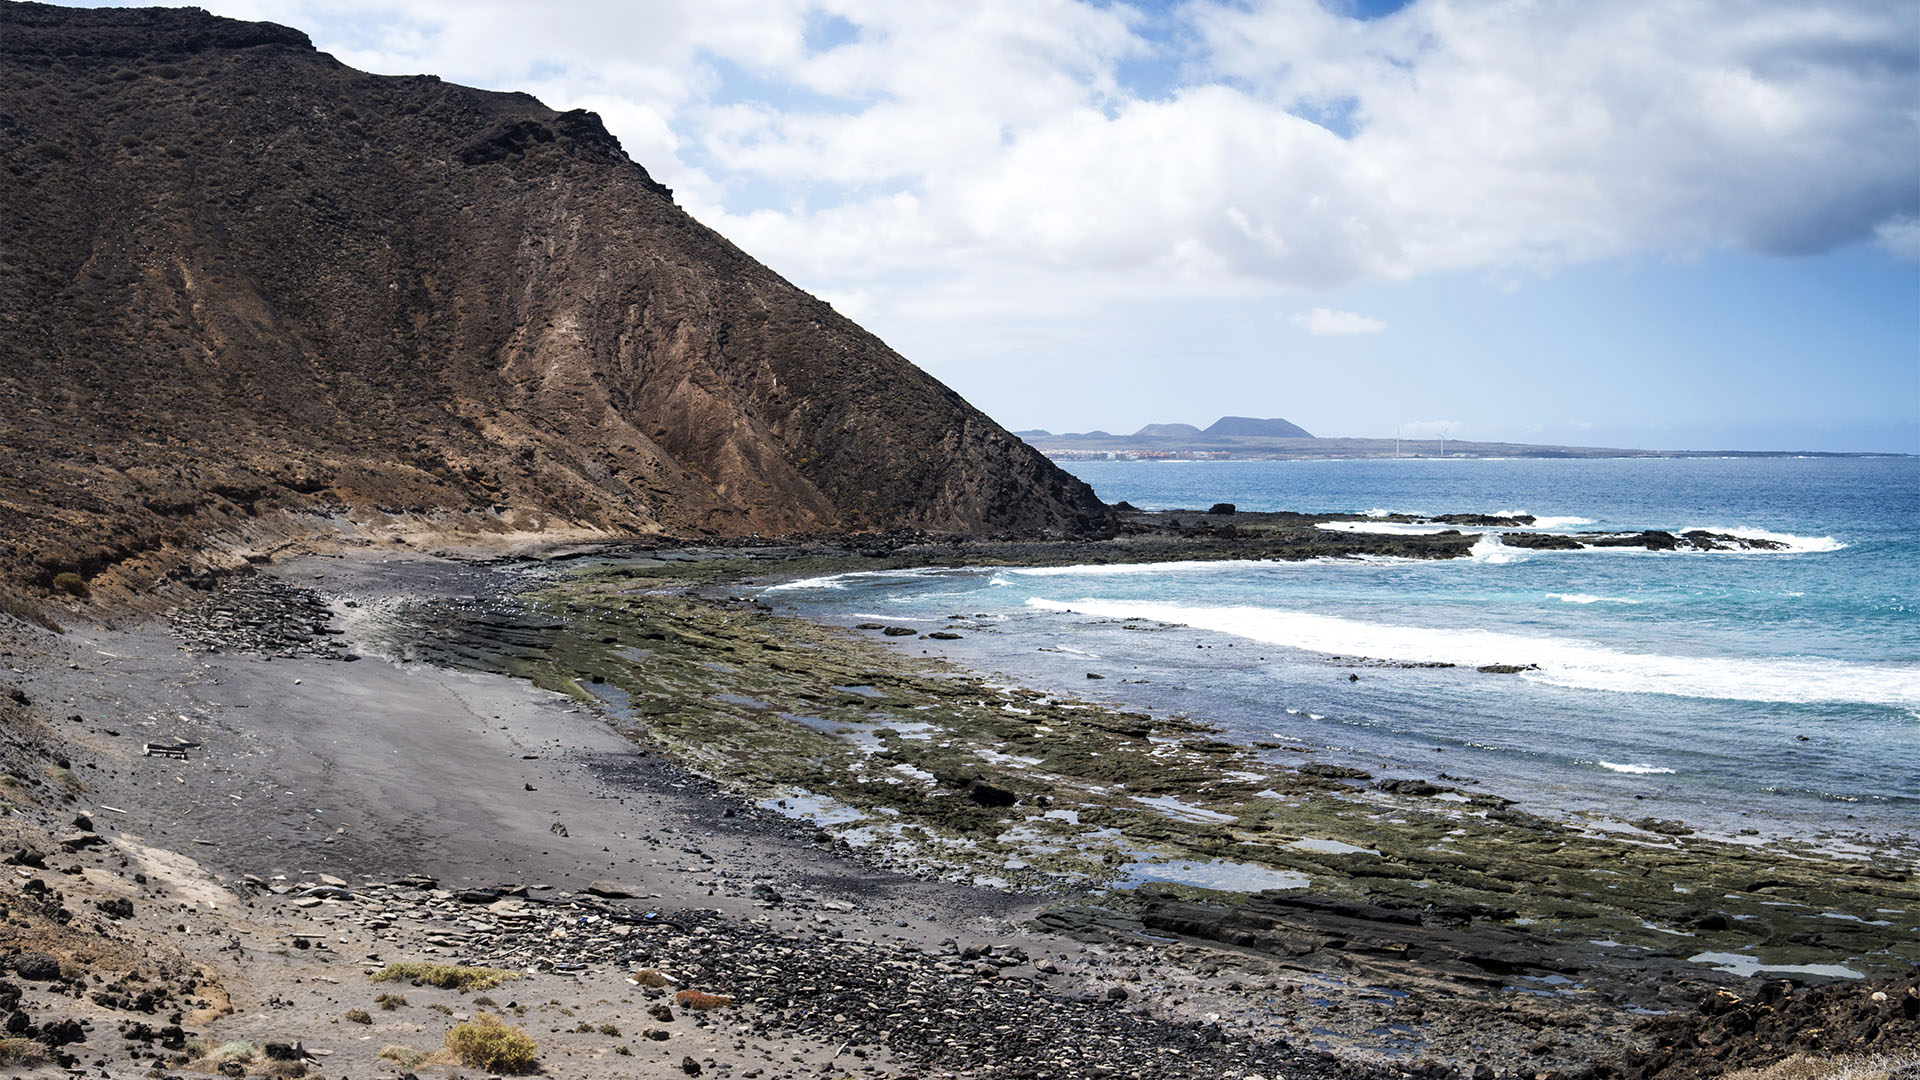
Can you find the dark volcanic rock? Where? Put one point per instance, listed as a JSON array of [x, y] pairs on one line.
[[1773, 1019], [35, 966], [242, 280], [1540, 541]]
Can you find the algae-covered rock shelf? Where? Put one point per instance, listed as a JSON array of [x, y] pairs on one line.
[[929, 767]]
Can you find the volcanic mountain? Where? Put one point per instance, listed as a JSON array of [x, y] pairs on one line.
[[246, 289]]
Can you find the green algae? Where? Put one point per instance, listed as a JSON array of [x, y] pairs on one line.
[[935, 769]]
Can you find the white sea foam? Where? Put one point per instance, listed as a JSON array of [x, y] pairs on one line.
[[840, 581], [1636, 770], [1588, 598], [1796, 545], [1543, 522], [1489, 549], [1561, 662], [1388, 528], [1108, 569]]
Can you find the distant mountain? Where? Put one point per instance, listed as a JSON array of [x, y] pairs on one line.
[[245, 288], [1172, 436], [1244, 427]]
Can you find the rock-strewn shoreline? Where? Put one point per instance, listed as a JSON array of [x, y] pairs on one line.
[[311, 759]]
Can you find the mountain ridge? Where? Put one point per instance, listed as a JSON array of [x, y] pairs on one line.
[[249, 281]]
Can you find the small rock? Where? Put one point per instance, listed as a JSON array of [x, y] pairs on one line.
[[988, 795]]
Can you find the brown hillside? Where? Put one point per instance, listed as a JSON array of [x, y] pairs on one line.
[[240, 281]]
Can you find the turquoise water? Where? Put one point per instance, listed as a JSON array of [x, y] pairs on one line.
[[1771, 690]]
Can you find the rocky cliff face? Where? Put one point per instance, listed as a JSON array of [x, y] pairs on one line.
[[239, 279]]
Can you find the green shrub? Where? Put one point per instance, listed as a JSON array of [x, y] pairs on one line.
[[236, 1051], [70, 583], [485, 1042]]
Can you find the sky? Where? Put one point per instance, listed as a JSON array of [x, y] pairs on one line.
[[1635, 223]]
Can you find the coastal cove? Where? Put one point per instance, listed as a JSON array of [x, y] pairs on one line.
[[497, 585], [918, 740], [804, 803]]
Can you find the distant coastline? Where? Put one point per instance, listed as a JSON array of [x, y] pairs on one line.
[[1183, 442]]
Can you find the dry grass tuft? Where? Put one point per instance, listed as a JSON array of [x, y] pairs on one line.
[[27, 611], [486, 1042], [406, 1056], [22, 1052], [447, 976], [701, 1002]]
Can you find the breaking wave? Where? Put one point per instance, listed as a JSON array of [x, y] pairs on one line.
[[1559, 662]]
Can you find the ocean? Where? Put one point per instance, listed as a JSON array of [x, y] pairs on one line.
[[1744, 693]]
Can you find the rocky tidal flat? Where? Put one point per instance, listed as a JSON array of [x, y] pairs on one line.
[[618, 776], [1150, 825]]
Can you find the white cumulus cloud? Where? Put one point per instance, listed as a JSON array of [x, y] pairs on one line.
[[1327, 321], [1291, 146], [954, 162], [1899, 235]]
